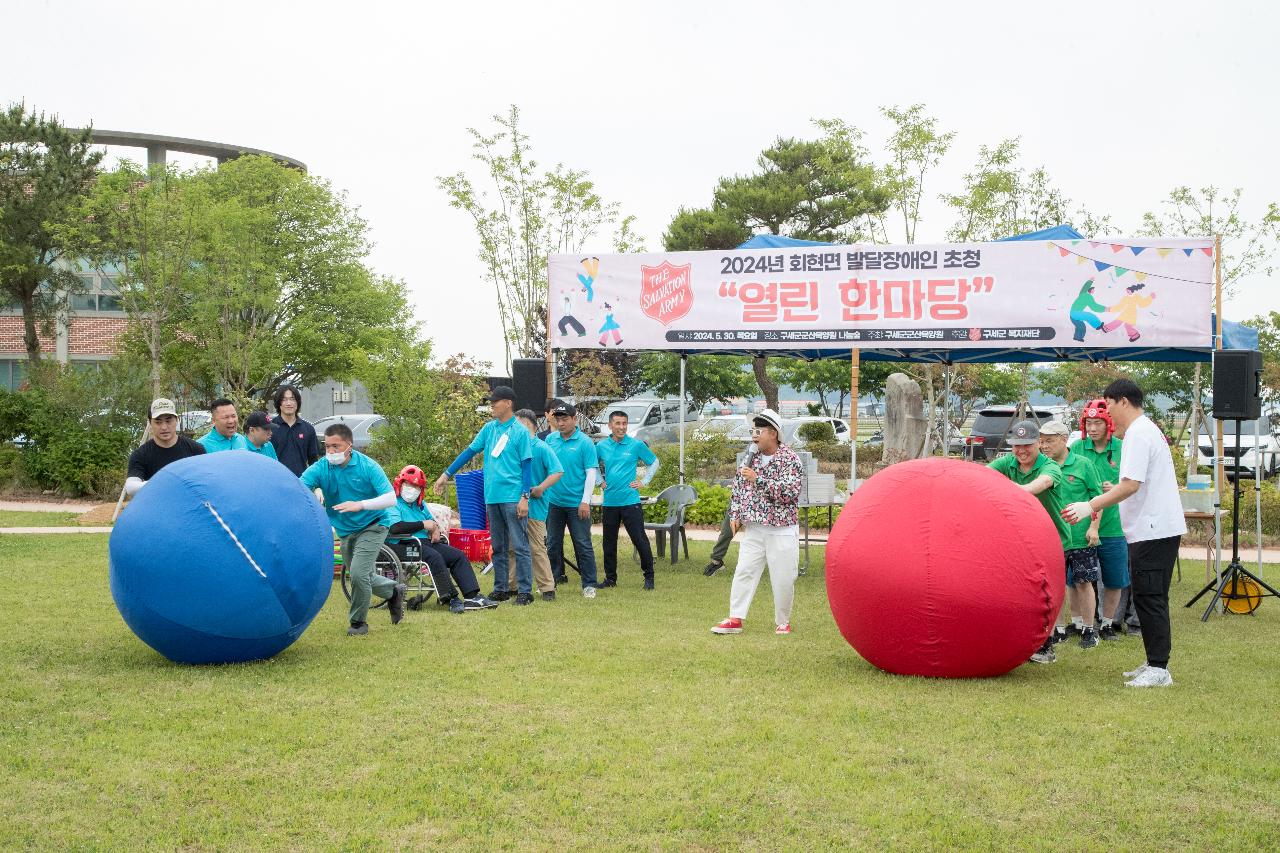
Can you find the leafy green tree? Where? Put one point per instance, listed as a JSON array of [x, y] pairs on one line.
[[698, 229], [150, 225], [1001, 198], [820, 189], [432, 409], [1248, 247], [280, 291], [821, 377], [45, 173], [1268, 326], [707, 377], [535, 213], [914, 149]]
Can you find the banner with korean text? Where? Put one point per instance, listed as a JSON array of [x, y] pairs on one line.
[[1056, 293]]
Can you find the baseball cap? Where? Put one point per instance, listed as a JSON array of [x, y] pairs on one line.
[[1024, 432], [771, 417], [163, 406], [501, 392], [1054, 428], [257, 419], [563, 408]]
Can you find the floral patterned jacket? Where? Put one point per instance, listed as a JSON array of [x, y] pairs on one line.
[[772, 499]]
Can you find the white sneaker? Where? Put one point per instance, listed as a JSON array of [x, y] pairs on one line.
[[1153, 677], [1134, 673], [588, 592]]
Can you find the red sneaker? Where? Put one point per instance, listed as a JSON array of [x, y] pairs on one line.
[[728, 626], [783, 629]]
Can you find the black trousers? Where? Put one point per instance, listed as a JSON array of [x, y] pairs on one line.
[[444, 560], [632, 518], [1150, 573]]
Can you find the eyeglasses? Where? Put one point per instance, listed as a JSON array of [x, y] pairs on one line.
[[755, 430]]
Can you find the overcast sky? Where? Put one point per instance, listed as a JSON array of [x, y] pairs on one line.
[[1120, 101]]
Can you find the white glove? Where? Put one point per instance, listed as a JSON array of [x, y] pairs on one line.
[[1077, 512]]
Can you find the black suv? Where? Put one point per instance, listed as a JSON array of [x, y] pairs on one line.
[[989, 425]]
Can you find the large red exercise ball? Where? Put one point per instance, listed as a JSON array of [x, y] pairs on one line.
[[222, 557], [944, 568]]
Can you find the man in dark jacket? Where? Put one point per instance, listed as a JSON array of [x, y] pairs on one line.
[[293, 438]]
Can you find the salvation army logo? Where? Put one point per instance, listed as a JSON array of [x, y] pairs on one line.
[[1021, 432], [666, 291], [1071, 478]]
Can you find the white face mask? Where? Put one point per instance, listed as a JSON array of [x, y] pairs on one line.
[[336, 458], [410, 493]]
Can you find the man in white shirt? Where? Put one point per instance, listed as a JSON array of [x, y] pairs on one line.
[[1151, 515]]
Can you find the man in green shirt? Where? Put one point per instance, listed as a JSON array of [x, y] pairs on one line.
[[1037, 475], [1100, 446], [1079, 483]]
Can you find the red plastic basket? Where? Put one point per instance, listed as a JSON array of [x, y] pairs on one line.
[[474, 543]]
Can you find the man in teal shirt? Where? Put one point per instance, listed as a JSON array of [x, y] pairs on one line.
[[619, 455], [225, 434], [1037, 475], [546, 472], [356, 496], [569, 499], [508, 476], [257, 429]]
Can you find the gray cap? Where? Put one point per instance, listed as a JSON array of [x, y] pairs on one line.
[[1024, 432], [1055, 428]]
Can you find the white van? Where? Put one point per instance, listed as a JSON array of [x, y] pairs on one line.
[[1250, 454], [650, 420]]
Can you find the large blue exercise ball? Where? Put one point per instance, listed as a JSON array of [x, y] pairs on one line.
[[221, 558]]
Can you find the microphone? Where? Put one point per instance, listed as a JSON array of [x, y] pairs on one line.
[[752, 452]]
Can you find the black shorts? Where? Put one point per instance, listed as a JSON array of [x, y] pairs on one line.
[[1083, 566]]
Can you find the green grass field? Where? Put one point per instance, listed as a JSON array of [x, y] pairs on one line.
[[22, 518], [619, 723]]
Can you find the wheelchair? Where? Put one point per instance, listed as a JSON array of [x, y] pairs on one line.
[[401, 562]]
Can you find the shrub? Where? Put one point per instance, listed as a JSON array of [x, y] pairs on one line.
[[1248, 510], [77, 426], [817, 432]]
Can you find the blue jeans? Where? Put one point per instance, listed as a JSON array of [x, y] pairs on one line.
[[580, 533], [505, 529]]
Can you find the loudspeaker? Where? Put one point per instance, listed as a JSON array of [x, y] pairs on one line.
[[529, 379], [1237, 384]]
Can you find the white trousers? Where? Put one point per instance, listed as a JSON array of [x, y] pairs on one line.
[[781, 552]]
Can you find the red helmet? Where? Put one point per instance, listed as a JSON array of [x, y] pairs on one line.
[[1096, 409], [412, 475]]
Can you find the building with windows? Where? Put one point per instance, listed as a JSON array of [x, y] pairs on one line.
[[95, 318]]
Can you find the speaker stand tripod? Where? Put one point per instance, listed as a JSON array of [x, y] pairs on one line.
[[1230, 584]]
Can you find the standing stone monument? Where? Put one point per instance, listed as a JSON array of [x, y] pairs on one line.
[[904, 421]]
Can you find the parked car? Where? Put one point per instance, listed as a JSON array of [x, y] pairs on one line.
[[839, 425], [984, 441], [363, 427], [652, 421], [721, 424], [1243, 460], [194, 422], [742, 432]]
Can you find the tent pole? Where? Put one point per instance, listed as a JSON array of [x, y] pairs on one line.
[[855, 366], [1257, 487], [1220, 479], [683, 358], [946, 410]]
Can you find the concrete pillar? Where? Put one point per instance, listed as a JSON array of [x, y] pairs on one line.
[[157, 155]]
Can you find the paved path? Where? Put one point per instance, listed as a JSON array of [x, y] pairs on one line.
[[48, 506]]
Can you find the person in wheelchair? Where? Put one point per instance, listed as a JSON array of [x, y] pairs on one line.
[[412, 525]]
